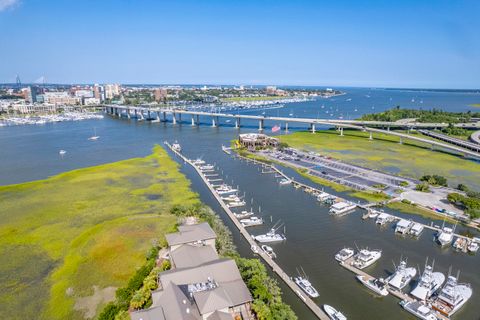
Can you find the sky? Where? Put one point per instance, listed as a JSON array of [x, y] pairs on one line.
[[408, 43]]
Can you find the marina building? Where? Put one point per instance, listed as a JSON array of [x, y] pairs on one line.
[[256, 140]]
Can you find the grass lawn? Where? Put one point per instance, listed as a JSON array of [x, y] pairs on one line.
[[61, 236], [412, 209], [263, 98], [412, 159]]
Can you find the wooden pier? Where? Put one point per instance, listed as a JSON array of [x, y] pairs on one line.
[[275, 267]]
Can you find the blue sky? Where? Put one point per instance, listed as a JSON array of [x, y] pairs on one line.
[[430, 44]]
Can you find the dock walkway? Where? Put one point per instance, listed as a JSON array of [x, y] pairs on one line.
[[275, 267]]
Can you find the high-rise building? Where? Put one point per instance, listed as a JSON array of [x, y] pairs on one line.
[[160, 94], [99, 92], [271, 89], [112, 90], [30, 94]]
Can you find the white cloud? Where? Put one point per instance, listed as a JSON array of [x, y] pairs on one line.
[[6, 4]]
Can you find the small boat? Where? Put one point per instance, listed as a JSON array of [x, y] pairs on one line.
[[452, 296], [243, 214], [235, 204], [402, 276], [341, 208], [460, 244], [418, 309], [269, 251], [62, 152], [198, 162], [428, 284], [254, 248], [94, 137], [473, 246], [252, 221], [207, 167], [306, 286], [445, 236], [344, 254], [383, 218], [285, 181], [403, 226], [224, 189], [332, 313], [376, 285], [366, 258], [416, 229], [270, 236], [231, 198]]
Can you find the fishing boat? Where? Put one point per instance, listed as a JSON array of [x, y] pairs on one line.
[[231, 198], [302, 281], [418, 309], [403, 226], [235, 204], [344, 254], [452, 296], [428, 283], [269, 251], [376, 285], [445, 235], [366, 258], [473, 246], [402, 276], [271, 236], [94, 137], [252, 221], [341, 208], [332, 313], [243, 214], [416, 229]]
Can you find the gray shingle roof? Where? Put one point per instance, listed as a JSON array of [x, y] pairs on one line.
[[191, 233], [219, 315], [187, 256]]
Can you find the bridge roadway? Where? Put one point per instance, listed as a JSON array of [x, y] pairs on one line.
[[462, 143], [311, 122]]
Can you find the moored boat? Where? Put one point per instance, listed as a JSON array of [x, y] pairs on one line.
[[344, 254], [416, 229], [269, 251], [428, 283], [252, 221], [341, 208], [403, 226], [306, 286], [452, 296], [366, 258], [243, 214], [418, 309], [270, 236], [376, 285], [332, 313], [402, 276]]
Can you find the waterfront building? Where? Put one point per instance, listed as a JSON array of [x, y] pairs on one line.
[[160, 94], [112, 90], [271, 90], [197, 235], [256, 140], [61, 97], [30, 94]]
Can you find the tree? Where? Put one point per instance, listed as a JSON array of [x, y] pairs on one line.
[[422, 187], [462, 187]]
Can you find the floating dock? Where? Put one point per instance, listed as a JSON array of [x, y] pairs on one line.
[[319, 313]]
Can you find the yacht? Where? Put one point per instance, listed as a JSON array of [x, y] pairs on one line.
[[323, 196], [270, 236], [344, 254], [269, 251], [383, 218], [452, 296], [342, 207], [226, 190], [285, 181], [376, 285], [416, 229], [62, 152], [332, 313], [445, 236], [252, 221], [94, 137], [231, 197], [402, 276], [207, 167], [198, 162], [366, 258], [403, 226], [473, 246], [429, 283], [418, 309], [234, 204], [243, 214], [306, 286]]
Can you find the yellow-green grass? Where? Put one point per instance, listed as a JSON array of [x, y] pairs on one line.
[[477, 105], [61, 236], [413, 209], [262, 98], [412, 159]]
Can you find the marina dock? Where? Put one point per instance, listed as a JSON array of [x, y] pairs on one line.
[[319, 313]]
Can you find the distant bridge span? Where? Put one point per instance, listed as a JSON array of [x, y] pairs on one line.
[[160, 114]]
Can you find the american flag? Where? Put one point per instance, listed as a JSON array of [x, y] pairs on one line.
[[276, 128]]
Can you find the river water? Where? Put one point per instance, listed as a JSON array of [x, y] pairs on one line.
[[31, 152]]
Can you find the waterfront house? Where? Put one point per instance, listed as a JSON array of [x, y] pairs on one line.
[[196, 235]]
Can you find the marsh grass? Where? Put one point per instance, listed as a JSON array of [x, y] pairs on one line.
[[61, 236]]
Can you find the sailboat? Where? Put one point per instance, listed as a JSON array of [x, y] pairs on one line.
[[94, 137]]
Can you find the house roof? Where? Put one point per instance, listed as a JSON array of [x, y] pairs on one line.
[[211, 300], [191, 256], [219, 315], [191, 233], [154, 313]]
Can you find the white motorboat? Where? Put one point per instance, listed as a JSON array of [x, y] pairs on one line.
[[62, 152], [402, 276], [306, 286], [452, 296], [332, 313], [226, 190], [270, 236], [323, 196], [252, 221], [198, 162], [94, 137], [341, 208], [344, 254], [269, 251], [376, 285], [445, 235], [366, 258], [254, 248], [403, 226], [460, 244], [243, 214], [207, 167], [235, 204], [428, 283], [372, 214], [418, 309], [383, 218], [231, 198], [473, 246], [285, 181], [416, 229]]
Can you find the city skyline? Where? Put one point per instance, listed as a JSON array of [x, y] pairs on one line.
[[428, 44]]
